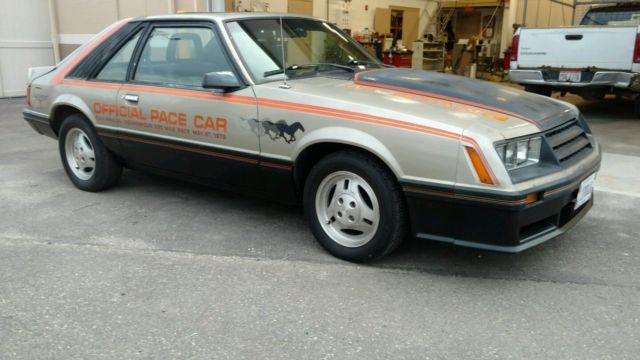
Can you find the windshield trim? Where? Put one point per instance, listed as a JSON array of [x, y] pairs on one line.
[[325, 23]]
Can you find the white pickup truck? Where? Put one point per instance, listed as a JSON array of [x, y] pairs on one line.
[[600, 56]]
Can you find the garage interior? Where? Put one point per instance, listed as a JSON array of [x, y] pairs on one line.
[[465, 37]]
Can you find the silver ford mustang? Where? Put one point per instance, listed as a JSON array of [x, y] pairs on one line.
[[292, 109]]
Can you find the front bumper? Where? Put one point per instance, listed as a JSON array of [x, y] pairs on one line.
[[618, 79], [495, 223]]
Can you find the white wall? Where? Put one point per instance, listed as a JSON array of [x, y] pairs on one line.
[[25, 42], [508, 19]]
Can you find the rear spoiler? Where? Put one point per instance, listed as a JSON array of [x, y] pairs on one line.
[[35, 72]]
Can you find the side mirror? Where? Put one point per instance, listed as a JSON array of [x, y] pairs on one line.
[[221, 81]]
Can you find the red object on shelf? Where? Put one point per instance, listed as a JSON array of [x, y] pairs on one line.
[[397, 60]]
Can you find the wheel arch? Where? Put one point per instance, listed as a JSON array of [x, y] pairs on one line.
[[66, 105], [320, 143]]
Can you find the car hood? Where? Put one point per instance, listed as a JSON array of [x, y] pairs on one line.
[[541, 111]]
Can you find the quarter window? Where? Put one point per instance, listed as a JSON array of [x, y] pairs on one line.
[[180, 56], [116, 68]]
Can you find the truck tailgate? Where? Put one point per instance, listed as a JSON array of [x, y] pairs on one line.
[[580, 47]]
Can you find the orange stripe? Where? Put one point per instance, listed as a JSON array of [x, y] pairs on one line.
[[274, 165], [207, 95], [197, 150], [181, 147], [524, 201], [57, 79], [92, 84], [357, 80], [286, 105], [571, 184]]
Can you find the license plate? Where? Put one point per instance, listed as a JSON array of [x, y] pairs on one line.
[[586, 191], [570, 76]]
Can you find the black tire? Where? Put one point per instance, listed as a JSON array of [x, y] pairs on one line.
[[636, 107], [540, 90], [106, 171], [393, 215]]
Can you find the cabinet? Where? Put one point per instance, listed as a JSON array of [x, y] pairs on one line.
[[401, 22], [382, 21]]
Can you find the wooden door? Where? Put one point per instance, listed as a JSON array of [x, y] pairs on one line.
[[228, 6], [410, 24], [382, 21]]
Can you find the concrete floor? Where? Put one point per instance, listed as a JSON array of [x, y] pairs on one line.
[[156, 268]]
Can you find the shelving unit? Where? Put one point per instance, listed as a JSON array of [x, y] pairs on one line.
[[428, 55]]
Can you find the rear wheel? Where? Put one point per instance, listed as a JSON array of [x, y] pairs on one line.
[[354, 206], [87, 162]]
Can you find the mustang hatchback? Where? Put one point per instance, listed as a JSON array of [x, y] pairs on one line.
[[291, 108]]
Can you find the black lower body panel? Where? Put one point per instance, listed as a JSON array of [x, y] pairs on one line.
[[40, 124], [238, 172], [498, 227]]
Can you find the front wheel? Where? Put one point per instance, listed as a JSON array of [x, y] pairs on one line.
[[354, 206], [87, 162]]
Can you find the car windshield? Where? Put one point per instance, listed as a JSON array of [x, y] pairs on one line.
[[613, 16], [311, 47]]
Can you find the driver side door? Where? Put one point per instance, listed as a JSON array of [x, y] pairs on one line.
[[168, 122]]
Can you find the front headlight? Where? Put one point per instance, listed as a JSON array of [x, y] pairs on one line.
[[520, 153]]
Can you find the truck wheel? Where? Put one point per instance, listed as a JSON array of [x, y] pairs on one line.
[[540, 90], [354, 206], [87, 162], [636, 106]]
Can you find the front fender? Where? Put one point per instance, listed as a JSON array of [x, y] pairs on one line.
[[352, 137]]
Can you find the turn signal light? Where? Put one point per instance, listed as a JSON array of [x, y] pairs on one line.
[[478, 165], [530, 199]]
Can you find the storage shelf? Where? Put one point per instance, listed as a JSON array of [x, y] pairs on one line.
[[428, 55]]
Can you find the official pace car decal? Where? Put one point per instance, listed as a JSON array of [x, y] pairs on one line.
[[214, 127], [209, 126]]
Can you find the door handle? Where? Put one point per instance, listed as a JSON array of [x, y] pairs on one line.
[[130, 98], [573, 37]]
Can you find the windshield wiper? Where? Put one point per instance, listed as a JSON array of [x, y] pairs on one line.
[[308, 66]]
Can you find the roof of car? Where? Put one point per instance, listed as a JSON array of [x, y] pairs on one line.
[[222, 16]]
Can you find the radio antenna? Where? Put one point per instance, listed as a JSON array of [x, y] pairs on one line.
[[284, 85]]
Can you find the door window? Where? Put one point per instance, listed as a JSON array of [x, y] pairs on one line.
[[116, 68], [180, 56]]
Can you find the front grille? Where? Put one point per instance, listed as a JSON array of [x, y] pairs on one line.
[[568, 141]]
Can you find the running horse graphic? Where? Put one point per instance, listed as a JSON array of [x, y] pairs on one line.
[[282, 130]]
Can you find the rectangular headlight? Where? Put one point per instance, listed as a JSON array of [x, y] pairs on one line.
[[520, 153]]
